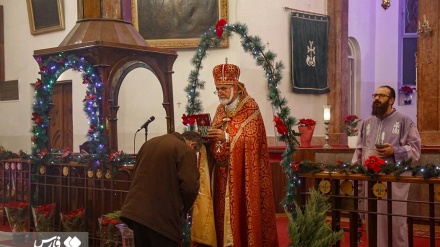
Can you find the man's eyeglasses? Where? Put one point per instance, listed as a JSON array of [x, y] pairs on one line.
[[380, 95], [218, 89]]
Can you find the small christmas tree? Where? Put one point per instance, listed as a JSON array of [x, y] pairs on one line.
[[309, 228]]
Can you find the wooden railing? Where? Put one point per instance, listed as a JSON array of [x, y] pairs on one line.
[[73, 185], [69, 186], [15, 182], [346, 204]]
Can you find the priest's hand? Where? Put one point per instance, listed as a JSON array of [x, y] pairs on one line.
[[217, 134], [385, 150]]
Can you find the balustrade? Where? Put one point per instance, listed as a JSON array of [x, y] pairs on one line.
[[69, 186], [346, 193]]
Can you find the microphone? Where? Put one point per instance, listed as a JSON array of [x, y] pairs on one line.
[[147, 123]]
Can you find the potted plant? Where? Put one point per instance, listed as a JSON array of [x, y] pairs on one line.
[[73, 221], [18, 217], [108, 231], [407, 91], [350, 125], [306, 126], [44, 216], [308, 225]]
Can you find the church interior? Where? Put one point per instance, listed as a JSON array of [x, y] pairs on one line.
[[114, 73]]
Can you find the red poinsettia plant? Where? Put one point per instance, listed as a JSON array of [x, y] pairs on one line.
[[374, 164], [188, 120], [350, 125], [18, 215], [73, 221], [306, 122], [109, 233], [407, 90], [44, 217], [279, 125]]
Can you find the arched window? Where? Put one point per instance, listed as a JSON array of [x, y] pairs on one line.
[[409, 21], [354, 84]]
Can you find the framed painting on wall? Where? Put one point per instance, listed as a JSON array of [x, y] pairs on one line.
[[45, 16], [177, 23]]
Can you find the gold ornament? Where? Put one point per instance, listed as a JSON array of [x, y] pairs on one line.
[[65, 171], [42, 170], [386, 4], [379, 190], [346, 187], [325, 186], [108, 175], [99, 173], [437, 192], [90, 173]]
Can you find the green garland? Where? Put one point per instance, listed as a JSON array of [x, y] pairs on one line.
[[425, 171], [112, 162], [273, 73], [51, 68]]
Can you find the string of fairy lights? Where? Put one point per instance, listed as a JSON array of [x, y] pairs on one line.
[[50, 69]]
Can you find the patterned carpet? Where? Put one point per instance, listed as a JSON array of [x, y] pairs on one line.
[[421, 234]]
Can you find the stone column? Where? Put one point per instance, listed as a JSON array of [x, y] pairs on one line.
[[337, 72], [428, 75]]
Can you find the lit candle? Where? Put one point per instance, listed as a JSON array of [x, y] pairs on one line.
[[327, 112]]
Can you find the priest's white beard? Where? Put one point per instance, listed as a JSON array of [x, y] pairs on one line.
[[227, 101]]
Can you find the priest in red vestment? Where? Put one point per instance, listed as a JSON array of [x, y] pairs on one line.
[[244, 209]]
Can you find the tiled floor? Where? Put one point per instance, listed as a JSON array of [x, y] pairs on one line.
[[5, 236]]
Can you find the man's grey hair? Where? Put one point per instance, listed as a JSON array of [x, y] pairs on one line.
[[195, 137]]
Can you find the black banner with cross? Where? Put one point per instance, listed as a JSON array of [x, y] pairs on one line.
[[309, 41]]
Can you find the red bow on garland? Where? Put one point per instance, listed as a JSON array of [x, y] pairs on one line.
[[219, 28], [65, 152], [112, 156], [37, 118], [38, 84], [279, 124], [295, 166], [86, 81], [92, 128], [43, 152], [89, 96]]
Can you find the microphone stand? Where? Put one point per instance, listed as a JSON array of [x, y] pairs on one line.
[[146, 132]]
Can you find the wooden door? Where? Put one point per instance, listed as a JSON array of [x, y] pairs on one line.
[[61, 123]]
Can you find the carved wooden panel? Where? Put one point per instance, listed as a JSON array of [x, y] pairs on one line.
[[428, 74], [61, 124], [2, 46]]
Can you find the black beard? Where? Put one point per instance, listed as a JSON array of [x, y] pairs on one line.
[[379, 109]]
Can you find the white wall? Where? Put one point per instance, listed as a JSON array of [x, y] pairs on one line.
[[15, 124], [377, 32], [373, 28]]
